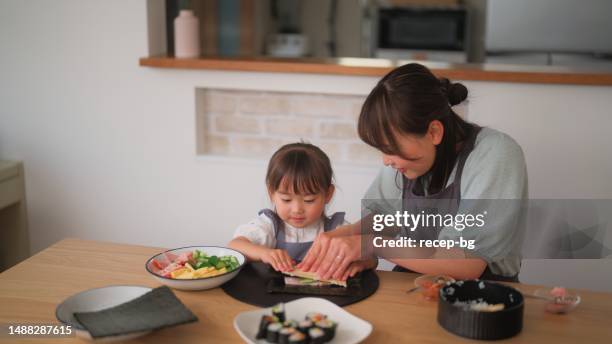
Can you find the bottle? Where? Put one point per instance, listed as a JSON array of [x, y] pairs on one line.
[[186, 35]]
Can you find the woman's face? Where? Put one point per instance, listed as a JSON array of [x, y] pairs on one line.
[[419, 152]]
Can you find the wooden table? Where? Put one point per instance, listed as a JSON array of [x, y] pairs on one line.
[[30, 291]]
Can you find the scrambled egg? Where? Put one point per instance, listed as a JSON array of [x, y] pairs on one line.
[[188, 272]]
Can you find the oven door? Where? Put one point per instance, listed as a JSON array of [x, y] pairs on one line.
[[422, 28]]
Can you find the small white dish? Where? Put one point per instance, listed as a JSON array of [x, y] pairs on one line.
[[197, 283], [95, 300], [351, 329]]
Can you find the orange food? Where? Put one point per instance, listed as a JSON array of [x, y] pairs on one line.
[[432, 292]]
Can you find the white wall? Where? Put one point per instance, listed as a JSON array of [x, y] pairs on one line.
[[549, 25], [109, 147]]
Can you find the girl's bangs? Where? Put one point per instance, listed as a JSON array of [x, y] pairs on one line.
[[296, 177], [299, 184]]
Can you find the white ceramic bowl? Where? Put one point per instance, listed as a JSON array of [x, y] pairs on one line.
[[95, 300], [198, 283]]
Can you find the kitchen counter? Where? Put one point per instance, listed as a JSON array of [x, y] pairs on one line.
[[30, 291], [379, 67]]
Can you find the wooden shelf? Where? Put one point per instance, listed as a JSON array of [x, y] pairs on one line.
[[379, 67]]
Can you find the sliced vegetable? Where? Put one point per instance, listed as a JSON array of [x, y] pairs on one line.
[[213, 260]]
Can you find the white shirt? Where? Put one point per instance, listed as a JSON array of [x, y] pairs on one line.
[[260, 231]]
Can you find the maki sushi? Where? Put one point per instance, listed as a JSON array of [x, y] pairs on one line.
[[317, 336], [304, 326], [279, 312], [316, 328], [272, 334], [298, 338], [284, 334], [290, 323], [263, 325], [315, 316], [328, 327]]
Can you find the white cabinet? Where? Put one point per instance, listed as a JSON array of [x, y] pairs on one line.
[[14, 236]]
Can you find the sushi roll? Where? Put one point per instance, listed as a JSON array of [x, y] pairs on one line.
[[263, 325], [273, 332], [317, 336], [298, 338], [290, 323], [328, 327], [279, 312], [315, 316], [284, 334], [304, 326]]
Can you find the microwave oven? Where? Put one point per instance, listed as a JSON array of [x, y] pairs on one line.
[[428, 28]]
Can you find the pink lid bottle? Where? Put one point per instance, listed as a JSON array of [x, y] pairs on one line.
[[186, 35]]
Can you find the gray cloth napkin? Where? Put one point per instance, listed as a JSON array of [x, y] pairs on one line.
[[156, 309]]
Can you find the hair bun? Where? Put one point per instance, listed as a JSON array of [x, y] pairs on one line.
[[455, 92]]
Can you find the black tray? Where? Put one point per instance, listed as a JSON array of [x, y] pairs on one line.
[[259, 285]]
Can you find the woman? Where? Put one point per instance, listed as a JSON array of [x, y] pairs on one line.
[[432, 155]]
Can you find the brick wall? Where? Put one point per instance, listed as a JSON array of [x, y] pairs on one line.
[[254, 124]]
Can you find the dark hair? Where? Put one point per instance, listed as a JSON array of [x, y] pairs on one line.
[[406, 101], [303, 167]]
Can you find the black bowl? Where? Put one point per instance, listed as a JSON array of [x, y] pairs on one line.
[[466, 322]]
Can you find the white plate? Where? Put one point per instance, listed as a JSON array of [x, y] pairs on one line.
[[95, 300], [198, 283], [351, 329]]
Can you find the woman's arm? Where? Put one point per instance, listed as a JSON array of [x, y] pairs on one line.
[[468, 268], [332, 255], [332, 252]]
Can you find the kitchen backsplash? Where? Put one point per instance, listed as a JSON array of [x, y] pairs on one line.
[[254, 124]]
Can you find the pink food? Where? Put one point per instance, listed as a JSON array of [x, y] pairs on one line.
[[168, 269], [184, 258], [558, 292]]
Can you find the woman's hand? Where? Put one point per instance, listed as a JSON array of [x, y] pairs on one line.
[[279, 259], [321, 244], [330, 256], [356, 267]]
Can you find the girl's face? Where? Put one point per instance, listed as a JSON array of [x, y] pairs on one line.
[[419, 152], [300, 210]]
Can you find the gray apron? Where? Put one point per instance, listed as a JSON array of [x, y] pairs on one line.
[[298, 250], [446, 201]]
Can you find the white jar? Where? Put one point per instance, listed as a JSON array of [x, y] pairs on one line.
[[186, 35]]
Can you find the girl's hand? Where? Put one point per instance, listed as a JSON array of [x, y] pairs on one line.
[[279, 259]]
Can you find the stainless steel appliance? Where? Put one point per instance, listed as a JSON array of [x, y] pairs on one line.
[[436, 33]]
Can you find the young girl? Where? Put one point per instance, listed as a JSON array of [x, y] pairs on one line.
[[299, 183]]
